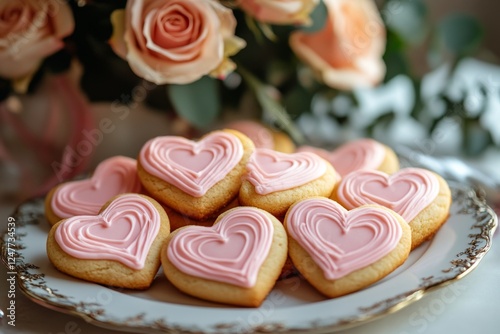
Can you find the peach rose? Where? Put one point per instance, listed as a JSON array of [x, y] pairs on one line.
[[31, 30], [176, 41], [347, 52], [279, 11]]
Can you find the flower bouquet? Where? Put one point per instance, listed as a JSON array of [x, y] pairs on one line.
[[323, 71]]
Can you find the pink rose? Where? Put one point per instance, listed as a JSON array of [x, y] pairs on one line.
[[31, 30], [279, 11], [347, 52], [176, 41]]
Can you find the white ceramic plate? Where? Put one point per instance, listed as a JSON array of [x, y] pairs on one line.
[[293, 305]]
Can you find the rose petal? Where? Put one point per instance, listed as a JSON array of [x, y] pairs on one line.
[[31, 30], [117, 40], [180, 53], [134, 24], [349, 79], [347, 52], [26, 60], [279, 11], [173, 28], [174, 41], [63, 22], [15, 19]]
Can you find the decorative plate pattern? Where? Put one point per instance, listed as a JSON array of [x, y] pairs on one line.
[[292, 306]]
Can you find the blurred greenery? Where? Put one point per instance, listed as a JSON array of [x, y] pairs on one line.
[[197, 102], [269, 70]]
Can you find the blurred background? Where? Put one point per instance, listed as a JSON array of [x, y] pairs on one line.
[[440, 93], [80, 102]]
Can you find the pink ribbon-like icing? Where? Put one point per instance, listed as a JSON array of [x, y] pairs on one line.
[[123, 232], [113, 176], [270, 171], [358, 154], [407, 192], [193, 167], [231, 251], [340, 241]]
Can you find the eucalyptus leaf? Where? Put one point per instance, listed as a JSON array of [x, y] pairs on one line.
[[397, 64], [408, 19], [460, 33], [197, 102], [476, 138], [297, 101], [318, 18]]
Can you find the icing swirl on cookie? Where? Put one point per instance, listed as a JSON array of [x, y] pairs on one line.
[[231, 251], [407, 192], [113, 176], [340, 241], [358, 154], [270, 171], [193, 167], [123, 232]]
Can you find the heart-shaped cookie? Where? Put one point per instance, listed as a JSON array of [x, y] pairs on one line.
[[242, 253], [407, 192], [192, 166], [196, 178], [358, 154], [120, 246], [270, 171], [113, 176], [420, 196], [340, 251], [275, 180]]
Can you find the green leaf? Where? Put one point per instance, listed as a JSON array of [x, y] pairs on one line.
[[197, 102], [460, 33], [318, 18], [254, 28], [394, 42], [297, 101], [267, 30], [408, 19], [476, 138], [397, 63]]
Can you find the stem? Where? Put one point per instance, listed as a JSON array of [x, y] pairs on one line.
[[271, 106]]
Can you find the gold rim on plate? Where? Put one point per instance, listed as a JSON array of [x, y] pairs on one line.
[[32, 282]]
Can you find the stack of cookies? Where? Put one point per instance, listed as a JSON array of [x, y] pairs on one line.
[[226, 217]]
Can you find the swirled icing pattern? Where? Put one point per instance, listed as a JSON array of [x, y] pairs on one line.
[[113, 176], [407, 192], [123, 232], [270, 171], [358, 154], [193, 167], [231, 251], [340, 241]]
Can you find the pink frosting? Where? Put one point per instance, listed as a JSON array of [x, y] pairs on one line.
[[113, 176], [340, 241], [270, 171], [358, 154], [259, 134], [123, 232], [407, 192], [193, 167], [231, 251]]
